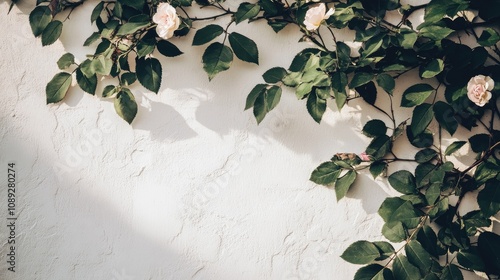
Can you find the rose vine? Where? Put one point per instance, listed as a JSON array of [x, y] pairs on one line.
[[455, 50]]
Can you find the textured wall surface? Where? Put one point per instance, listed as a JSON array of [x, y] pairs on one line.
[[194, 189]]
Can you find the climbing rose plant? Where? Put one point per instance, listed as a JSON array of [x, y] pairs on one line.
[[454, 50]]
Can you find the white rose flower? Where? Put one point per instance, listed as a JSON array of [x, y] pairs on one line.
[[316, 15], [478, 89], [167, 20]]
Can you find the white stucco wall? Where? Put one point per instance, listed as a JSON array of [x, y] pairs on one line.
[[194, 189]]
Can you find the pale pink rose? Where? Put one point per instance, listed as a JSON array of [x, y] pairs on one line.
[[167, 20], [478, 89], [364, 156], [316, 15]]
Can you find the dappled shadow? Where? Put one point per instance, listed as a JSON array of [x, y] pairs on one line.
[[369, 192], [162, 121]]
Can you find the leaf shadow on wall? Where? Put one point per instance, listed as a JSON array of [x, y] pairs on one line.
[[162, 120]]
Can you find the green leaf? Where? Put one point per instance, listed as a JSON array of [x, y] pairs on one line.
[[479, 142], [216, 58], [407, 38], [274, 75], [489, 37], [489, 198], [316, 106], [433, 193], [254, 93], [123, 63], [418, 256], [128, 79], [372, 45], [425, 155], [326, 174], [168, 49], [109, 29], [149, 73], [65, 61], [386, 82], [432, 68], [368, 272], [374, 128], [57, 88], [403, 269], [453, 147], [445, 116], [422, 140], [384, 274], [136, 4], [109, 91], [360, 78], [385, 248], [292, 79], [339, 83], [395, 209], [52, 32], [423, 174], [394, 231], [145, 47], [104, 48], [39, 18], [91, 39], [451, 272], [134, 24], [416, 95], [270, 7], [428, 240], [260, 107], [473, 220], [377, 168], [100, 65], [87, 84], [379, 147], [344, 183], [277, 25], [273, 96], [361, 252], [183, 3], [118, 10], [436, 10], [489, 249], [96, 12], [486, 171], [344, 53], [207, 34], [471, 259], [369, 92], [246, 11], [125, 105], [184, 28], [244, 48], [435, 32], [422, 117], [86, 68], [403, 181]]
